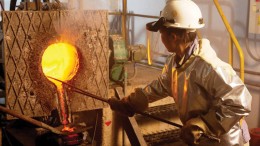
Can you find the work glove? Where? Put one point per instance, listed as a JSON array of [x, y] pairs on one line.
[[193, 130], [122, 106]]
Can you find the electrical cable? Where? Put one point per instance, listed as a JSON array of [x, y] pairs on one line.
[[135, 73], [250, 53]]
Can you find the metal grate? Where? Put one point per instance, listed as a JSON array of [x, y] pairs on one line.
[[162, 137]]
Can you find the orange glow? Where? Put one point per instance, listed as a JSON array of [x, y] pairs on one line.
[[60, 61], [68, 129]]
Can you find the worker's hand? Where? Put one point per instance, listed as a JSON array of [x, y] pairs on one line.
[[121, 106], [192, 131], [191, 134]]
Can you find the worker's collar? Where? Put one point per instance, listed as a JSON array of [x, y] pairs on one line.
[[188, 52]]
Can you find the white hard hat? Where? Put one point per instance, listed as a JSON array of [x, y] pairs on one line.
[[184, 14]]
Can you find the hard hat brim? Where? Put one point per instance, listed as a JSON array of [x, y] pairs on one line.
[[155, 25]]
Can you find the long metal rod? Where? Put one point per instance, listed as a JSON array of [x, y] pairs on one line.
[[234, 39], [230, 54], [78, 90], [159, 119], [12, 5], [134, 14], [141, 15], [2, 7], [30, 120], [124, 17]]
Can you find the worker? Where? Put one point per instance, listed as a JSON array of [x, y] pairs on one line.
[[211, 99]]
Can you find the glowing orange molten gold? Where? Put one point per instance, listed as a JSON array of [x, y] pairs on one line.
[[60, 61], [67, 129]]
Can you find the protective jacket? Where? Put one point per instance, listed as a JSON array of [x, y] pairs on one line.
[[203, 87]]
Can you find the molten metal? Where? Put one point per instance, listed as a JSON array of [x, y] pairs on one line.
[[60, 61], [68, 129]]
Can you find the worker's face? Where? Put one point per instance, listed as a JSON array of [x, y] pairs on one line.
[[168, 39]]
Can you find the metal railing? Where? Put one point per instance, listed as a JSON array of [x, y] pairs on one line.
[[234, 40]]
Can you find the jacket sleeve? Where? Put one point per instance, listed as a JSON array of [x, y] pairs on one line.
[[231, 99], [157, 89], [160, 88]]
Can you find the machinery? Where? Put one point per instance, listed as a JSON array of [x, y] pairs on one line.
[[120, 55]]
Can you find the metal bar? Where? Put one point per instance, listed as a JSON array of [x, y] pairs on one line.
[[230, 54], [249, 72], [87, 93], [232, 35], [159, 119], [13, 5], [131, 14], [38, 5], [141, 15], [30, 120], [114, 13], [80, 90], [124, 21], [2, 7]]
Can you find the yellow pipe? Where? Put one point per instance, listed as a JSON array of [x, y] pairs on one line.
[[234, 39], [148, 43], [230, 46], [198, 34], [124, 21]]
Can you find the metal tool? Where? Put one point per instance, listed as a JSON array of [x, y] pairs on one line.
[[75, 89], [30, 120], [57, 130]]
